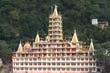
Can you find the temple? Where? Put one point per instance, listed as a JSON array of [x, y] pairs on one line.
[[54, 54]]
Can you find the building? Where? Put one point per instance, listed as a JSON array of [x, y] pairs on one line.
[[54, 55], [103, 25], [100, 24]]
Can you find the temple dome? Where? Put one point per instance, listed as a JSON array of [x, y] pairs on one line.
[[27, 45]]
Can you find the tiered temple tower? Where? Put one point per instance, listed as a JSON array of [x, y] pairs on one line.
[[54, 55], [55, 26]]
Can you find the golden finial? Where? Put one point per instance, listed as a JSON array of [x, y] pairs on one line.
[[55, 12], [20, 48], [37, 39], [75, 39], [91, 47]]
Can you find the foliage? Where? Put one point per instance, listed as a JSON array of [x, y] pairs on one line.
[[22, 19]]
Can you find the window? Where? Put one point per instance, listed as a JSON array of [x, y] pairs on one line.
[[82, 59], [53, 69], [73, 63], [67, 59], [43, 59], [26, 59], [67, 63], [22, 55], [18, 54], [93, 69], [73, 59], [63, 59], [58, 63], [68, 54], [35, 63], [90, 59], [39, 63], [30, 68], [26, 68], [44, 63], [22, 59], [17, 59], [53, 63], [35, 68], [39, 68], [90, 64], [82, 64], [30, 63], [17, 68], [58, 54], [93, 58], [48, 64], [91, 54], [49, 54], [58, 69], [17, 63], [58, 59], [34, 59], [86, 58], [22, 68], [63, 63], [21, 63], [49, 68], [86, 63], [90, 69], [78, 59], [94, 64], [86, 69], [48, 59], [78, 63], [53, 59], [68, 69], [63, 69], [78, 69], [50, 19], [63, 54], [86, 54], [82, 69], [30, 59], [26, 63], [44, 68], [73, 69]]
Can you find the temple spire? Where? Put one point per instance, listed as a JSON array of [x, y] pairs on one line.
[[37, 39], [55, 32], [20, 48], [75, 39], [27, 45], [91, 47], [55, 12]]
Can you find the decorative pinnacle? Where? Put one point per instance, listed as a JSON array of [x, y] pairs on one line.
[[75, 39], [91, 46], [55, 13], [37, 39], [75, 31], [20, 48]]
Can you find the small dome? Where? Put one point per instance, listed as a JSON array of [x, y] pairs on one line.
[[27, 45]]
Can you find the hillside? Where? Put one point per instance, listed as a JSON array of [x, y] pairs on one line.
[[22, 19]]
